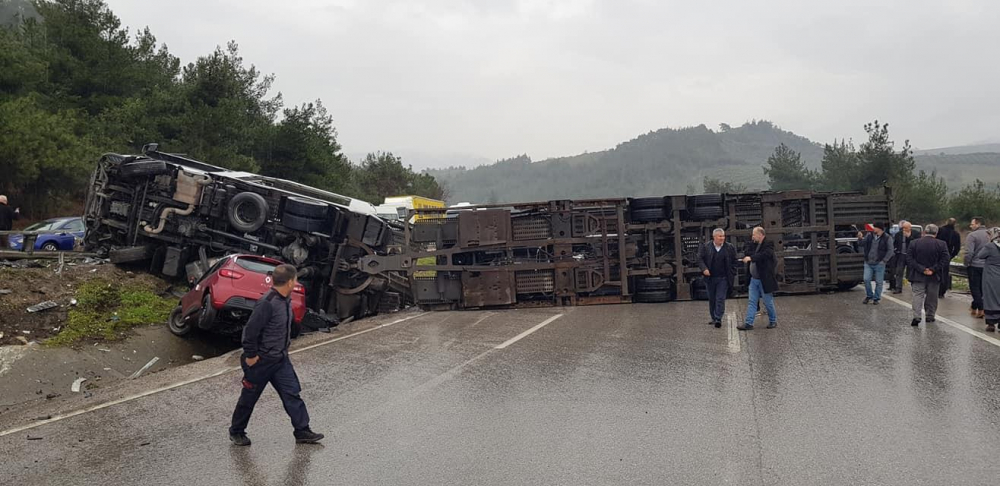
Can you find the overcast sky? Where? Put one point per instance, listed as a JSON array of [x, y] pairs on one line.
[[496, 78]]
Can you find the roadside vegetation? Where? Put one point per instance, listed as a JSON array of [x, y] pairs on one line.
[[106, 310], [75, 83]]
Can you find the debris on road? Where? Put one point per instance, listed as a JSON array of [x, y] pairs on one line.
[[6, 291], [34, 438], [73, 302], [43, 306], [75, 388], [144, 368], [50, 396], [197, 357]]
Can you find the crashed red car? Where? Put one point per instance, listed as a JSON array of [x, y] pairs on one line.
[[223, 298]]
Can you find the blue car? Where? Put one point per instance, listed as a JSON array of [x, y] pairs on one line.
[[69, 229]]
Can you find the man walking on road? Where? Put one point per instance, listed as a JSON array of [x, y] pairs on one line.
[[7, 217], [973, 243], [265, 360], [951, 237], [717, 260], [927, 256], [763, 283], [878, 250], [901, 246]]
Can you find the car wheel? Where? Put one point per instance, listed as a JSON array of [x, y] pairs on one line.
[[50, 246], [176, 323], [143, 168], [206, 316], [300, 223], [247, 211], [307, 208]]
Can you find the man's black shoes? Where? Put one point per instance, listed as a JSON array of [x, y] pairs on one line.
[[240, 439], [744, 327], [867, 300], [307, 437], [897, 291], [931, 319], [874, 302], [718, 324], [915, 322], [772, 325]]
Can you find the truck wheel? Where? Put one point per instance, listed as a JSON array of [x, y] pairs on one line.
[[307, 208], [646, 203], [652, 296], [648, 215], [143, 168], [247, 211], [707, 213], [652, 284], [707, 200], [300, 223], [176, 323]]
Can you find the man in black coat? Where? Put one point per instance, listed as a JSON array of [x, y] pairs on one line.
[[948, 235], [926, 259], [763, 283], [266, 338], [717, 260]]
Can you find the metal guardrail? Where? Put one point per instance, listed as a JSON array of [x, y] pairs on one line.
[[28, 246], [959, 270]]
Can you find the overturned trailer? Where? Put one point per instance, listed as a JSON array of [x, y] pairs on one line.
[[177, 215], [570, 252]]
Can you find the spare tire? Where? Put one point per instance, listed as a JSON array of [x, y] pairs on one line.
[[143, 168], [652, 283], [707, 200], [706, 212], [307, 208], [247, 211], [298, 223]]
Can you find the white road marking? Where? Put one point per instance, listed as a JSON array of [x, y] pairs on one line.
[[529, 331], [154, 391], [992, 340], [734, 334]]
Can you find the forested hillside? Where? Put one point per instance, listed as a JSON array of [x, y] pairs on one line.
[[76, 83]]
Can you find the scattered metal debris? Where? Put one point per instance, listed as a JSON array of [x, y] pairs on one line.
[[144, 368], [6, 291], [75, 388], [197, 357], [43, 306], [73, 302], [50, 396], [22, 339], [34, 438]]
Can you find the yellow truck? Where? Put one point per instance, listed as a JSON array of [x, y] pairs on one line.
[[390, 208]]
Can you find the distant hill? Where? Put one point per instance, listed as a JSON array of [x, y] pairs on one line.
[[674, 161], [660, 162]]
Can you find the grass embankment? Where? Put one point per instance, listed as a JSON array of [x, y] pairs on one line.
[[107, 310]]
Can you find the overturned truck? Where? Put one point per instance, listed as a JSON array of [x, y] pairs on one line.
[[577, 252], [176, 216]]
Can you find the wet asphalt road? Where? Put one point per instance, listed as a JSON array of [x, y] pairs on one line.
[[840, 393]]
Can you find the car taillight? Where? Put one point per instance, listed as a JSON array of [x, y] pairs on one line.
[[298, 289], [230, 274]]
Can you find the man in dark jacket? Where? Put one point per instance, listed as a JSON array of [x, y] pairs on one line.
[[265, 360], [948, 235], [927, 256], [763, 283], [901, 245], [7, 217], [717, 260], [878, 249]]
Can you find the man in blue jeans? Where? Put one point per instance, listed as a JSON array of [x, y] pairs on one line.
[[878, 249], [763, 283]]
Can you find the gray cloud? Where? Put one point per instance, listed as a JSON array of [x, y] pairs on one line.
[[558, 77]]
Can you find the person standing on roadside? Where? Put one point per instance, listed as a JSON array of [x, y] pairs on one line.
[[901, 246], [974, 265], [7, 218], [951, 237], [991, 279], [717, 260], [760, 255], [927, 256], [266, 338], [878, 250]]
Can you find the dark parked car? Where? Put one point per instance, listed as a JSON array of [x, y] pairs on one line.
[[69, 230], [224, 297]]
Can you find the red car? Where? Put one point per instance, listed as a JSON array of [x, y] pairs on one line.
[[223, 298]]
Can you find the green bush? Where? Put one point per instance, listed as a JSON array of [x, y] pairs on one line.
[[105, 310]]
